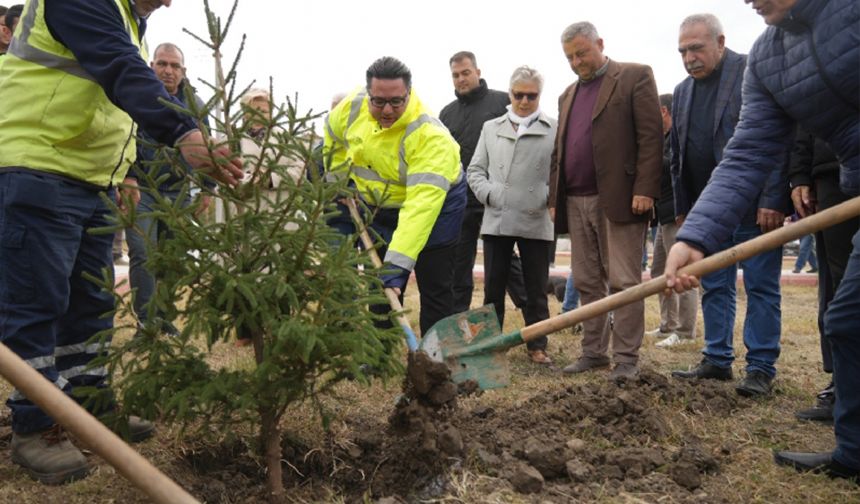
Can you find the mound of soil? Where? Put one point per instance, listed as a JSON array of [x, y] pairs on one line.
[[589, 441]]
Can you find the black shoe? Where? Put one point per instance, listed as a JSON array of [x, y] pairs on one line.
[[812, 270], [795, 271], [705, 371], [815, 462], [823, 409], [755, 384]]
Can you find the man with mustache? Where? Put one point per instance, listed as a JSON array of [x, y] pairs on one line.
[[705, 110]]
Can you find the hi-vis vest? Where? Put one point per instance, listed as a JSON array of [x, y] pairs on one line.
[[55, 117], [410, 166]]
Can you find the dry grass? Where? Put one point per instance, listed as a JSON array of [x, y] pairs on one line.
[[748, 435]]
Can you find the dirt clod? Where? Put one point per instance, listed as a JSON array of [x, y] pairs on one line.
[[450, 441], [686, 474], [526, 479]]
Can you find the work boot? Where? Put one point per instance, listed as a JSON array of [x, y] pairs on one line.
[[49, 456], [755, 384], [705, 371], [823, 409], [133, 429], [584, 364]]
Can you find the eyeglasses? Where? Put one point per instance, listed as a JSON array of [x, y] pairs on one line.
[[397, 101], [530, 96]]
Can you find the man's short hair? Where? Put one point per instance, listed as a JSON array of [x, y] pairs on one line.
[[526, 74], [666, 101], [169, 46], [3, 10], [709, 20], [389, 68], [12, 15], [582, 28], [460, 56]]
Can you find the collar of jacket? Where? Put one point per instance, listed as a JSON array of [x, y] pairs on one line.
[[475, 94], [541, 118], [802, 15]]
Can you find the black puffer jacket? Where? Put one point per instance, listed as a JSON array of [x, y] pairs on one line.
[[465, 116]]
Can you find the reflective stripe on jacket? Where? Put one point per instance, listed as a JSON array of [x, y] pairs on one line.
[[55, 116], [411, 166]]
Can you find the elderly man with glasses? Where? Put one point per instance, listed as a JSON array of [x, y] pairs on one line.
[[406, 169]]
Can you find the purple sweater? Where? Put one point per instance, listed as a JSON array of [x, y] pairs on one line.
[[579, 173]]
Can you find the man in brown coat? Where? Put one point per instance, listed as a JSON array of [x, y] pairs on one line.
[[604, 180]]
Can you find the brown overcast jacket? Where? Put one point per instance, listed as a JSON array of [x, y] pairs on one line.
[[627, 133]]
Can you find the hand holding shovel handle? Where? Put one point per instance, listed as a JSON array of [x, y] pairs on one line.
[[393, 299]]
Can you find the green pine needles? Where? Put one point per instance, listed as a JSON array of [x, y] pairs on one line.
[[271, 271]]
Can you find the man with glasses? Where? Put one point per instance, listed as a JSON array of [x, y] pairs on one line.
[[406, 169], [605, 177]]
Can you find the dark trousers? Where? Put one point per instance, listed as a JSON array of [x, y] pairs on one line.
[[842, 327], [833, 246], [498, 251], [147, 232], [434, 267], [48, 310], [464, 263]]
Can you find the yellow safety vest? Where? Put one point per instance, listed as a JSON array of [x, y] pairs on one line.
[[55, 117], [410, 166]]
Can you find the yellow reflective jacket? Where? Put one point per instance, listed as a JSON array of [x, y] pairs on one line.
[[55, 117], [411, 166]]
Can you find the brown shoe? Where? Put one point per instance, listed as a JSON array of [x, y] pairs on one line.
[[586, 364], [540, 357]]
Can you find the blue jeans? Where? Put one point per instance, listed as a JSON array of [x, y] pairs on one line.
[[146, 233], [842, 327], [571, 295], [48, 310], [762, 325], [806, 254]]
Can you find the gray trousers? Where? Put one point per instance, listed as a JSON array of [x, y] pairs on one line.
[[677, 311]]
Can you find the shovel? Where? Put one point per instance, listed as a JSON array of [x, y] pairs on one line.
[[393, 300], [473, 346], [93, 433]]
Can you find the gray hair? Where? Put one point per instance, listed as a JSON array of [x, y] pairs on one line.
[[709, 20], [255, 94], [582, 28], [526, 74]]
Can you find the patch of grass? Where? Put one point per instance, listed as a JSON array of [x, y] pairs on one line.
[[744, 438]]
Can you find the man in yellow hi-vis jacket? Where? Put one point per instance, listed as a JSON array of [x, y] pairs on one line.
[[406, 167]]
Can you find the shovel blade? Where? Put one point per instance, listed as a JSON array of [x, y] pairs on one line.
[[466, 343]]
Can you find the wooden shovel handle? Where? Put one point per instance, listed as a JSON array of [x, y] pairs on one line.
[[90, 431], [767, 241], [393, 299]]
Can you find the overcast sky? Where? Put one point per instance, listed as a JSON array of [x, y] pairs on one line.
[[318, 48]]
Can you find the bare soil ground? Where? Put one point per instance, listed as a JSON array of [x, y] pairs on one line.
[[545, 438]]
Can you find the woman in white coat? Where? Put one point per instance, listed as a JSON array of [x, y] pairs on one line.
[[509, 174]]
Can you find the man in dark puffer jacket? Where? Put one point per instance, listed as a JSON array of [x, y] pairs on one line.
[[802, 70]]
